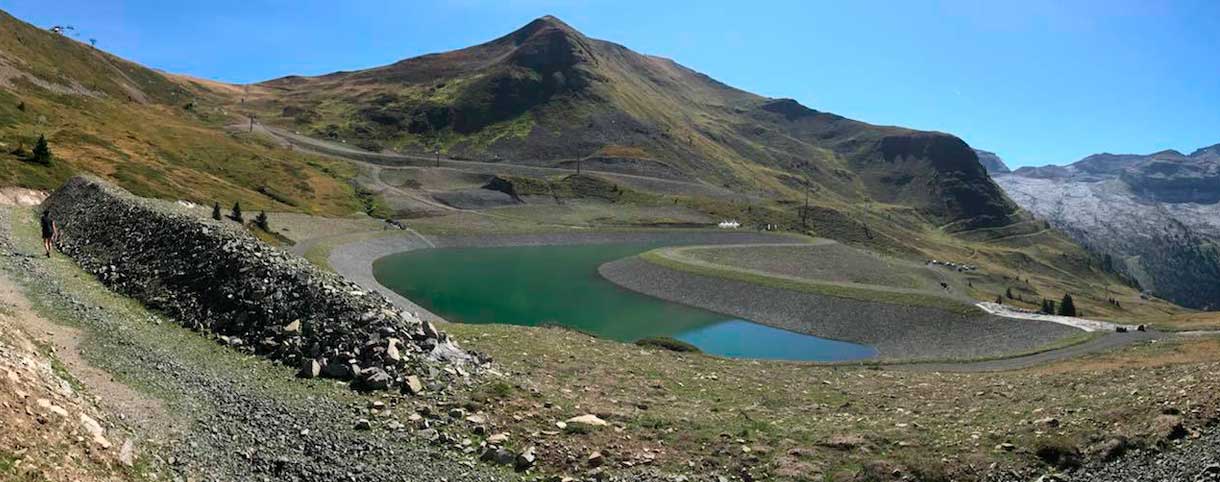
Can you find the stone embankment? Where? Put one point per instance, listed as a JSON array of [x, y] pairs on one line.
[[216, 278]]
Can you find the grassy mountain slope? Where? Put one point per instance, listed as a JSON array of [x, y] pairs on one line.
[[155, 134], [544, 95], [547, 94]]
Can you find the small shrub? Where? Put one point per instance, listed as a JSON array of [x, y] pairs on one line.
[[42, 152], [497, 390], [667, 343], [1058, 452], [236, 214], [216, 211], [261, 221]]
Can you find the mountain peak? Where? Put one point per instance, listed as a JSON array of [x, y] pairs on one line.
[[542, 25], [547, 45], [1168, 154], [1213, 150]]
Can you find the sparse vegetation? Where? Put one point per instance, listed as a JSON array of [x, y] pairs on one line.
[[667, 343]]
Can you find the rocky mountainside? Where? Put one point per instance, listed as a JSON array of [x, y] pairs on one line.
[[548, 95], [1157, 216], [992, 162]]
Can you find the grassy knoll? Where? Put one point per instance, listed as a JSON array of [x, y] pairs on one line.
[[673, 258], [827, 261]]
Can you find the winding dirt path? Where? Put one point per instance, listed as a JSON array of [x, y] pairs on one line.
[[117, 397]]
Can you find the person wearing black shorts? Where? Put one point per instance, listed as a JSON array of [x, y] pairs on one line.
[[49, 232]]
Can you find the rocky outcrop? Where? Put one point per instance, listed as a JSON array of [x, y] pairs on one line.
[[992, 162], [214, 277], [1155, 216]]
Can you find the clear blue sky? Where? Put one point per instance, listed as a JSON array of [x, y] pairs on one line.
[[1038, 81]]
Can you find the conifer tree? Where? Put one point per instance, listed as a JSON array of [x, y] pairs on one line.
[[216, 211], [42, 152], [1067, 307], [261, 221], [236, 214]]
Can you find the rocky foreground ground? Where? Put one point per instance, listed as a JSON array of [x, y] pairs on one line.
[[228, 416]]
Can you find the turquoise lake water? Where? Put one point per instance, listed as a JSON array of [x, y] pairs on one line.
[[559, 285]]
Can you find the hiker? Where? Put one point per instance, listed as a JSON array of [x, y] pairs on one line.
[[50, 232]]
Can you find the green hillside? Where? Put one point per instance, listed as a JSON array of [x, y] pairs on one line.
[[547, 95], [544, 96], [155, 134]]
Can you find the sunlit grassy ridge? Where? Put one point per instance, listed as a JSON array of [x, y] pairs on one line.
[[153, 134]]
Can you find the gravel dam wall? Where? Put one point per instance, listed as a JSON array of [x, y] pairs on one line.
[[216, 278]]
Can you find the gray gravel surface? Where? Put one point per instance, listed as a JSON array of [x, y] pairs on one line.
[[897, 331], [241, 418], [1192, 460], [1189, 460]]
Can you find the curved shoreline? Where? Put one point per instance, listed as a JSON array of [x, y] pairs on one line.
[[898, 332], [355, 260]]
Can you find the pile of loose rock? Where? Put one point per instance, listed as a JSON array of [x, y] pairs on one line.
[[216, 278]]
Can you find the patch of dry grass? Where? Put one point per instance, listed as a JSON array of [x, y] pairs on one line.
[[809, 422]]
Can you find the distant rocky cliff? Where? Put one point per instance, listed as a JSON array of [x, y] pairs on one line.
[[992, 162], [1157, 216], [214, 277]]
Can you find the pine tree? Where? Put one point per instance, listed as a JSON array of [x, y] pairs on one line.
[[216, 211], [261, 221], [1048, 307], [42, 152], [1008, 293], [236, 214], [1067, 307], [999, 300]]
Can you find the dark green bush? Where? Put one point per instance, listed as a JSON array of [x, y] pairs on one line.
[[667, 343]]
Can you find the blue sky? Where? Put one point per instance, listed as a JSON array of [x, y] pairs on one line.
[[1036, 81]]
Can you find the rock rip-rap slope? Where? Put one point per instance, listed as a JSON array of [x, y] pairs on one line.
[[214, 277]]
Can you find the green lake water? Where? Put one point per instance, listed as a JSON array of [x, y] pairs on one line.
[[559, 285]]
